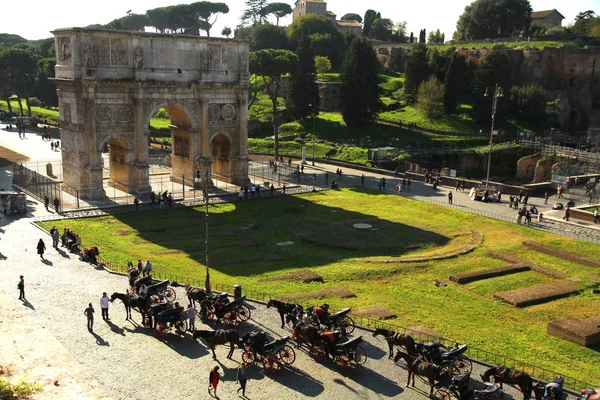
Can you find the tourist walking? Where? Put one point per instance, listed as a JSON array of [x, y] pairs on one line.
[[213, 380], [136, 203], [104, 306], [546, 195], [55, 238], [272, 189], [242, 378], [46, 202], [450, 197], [56, 204], [408, 184], [596, 216], [89, 313], [241, 194], [191, 311], [21, 287], [362, 180], [567, 213], [147, 268], [41, 247]]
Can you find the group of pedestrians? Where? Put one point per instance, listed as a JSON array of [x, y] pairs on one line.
[[165, 200], [241, 378], [56, 203]]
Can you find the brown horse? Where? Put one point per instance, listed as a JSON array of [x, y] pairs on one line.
[[195, 294], [220, 336], [510, 377], [396, 339], [306, 333], [418, 366]]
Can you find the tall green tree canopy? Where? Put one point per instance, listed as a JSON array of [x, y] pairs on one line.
[[326, 40], [495, 69], [267, 36], [7, 39], [130, 22], [46, 90], [584, 22], [303, 93], [352, 17], [370, 16], [19, 70], [254, 13], [207, 13], [278, 10], [270, 65], [361, 93], [381, 29], [454, 82], [416, 71], [484, 19]]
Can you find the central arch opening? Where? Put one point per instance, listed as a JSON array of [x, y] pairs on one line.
[[117, 159], [221, 157]]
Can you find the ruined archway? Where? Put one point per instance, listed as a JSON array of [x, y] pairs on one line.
[[110, 83]]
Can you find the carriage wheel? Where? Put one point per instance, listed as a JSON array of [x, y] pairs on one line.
[[248, 357], [181, 326], [347, 325], [243, 313], [462, 366], [343, 361], [270, 364], [210, 313], [147, 321], [170, 294], [360, 356], [287, 355], [442, 394], [318, 354], [230, 318]]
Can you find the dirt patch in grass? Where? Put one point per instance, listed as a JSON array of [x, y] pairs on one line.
[[247, 260], [339, 291], [582, 332], [538, 294], [422, 332], [377, 312], [467, 277], [123, 232], [304, 275], [565, 255], [462, 244], [515, 260]]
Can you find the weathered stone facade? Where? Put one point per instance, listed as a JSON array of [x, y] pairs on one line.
[[110, 83]]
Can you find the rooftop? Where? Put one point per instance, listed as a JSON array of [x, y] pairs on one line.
[[544, 14]]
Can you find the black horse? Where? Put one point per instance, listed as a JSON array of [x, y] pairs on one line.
[[510, 377], [220, 336], [396, 339], [195, 294], [418, 366], [132, 301], [284, 309]]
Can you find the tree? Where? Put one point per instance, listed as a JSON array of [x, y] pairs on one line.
[[352, 17], [361, 93], [436, 37], [267, 36], [303, 93], [322, 64], [453, 82], [7, 39], [399, 35], [584, 21], [484, 19], [422, 36], [20, 71], [528, 103], [254, 13], [46, 90], [381, 29], [207, 13], [439, 60], [130, 22], [278, 10], [326, 40], [271, 64], [226, 31], [416, 71], [370, 16], [412, 37], [430, 98], [495, 69]]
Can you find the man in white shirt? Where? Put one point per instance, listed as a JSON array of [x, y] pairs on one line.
[[596, 216], [104, 306], [191, 311]]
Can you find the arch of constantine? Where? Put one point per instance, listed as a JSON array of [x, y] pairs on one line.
[[110, 83]]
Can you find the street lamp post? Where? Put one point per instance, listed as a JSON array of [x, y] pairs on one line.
[[205, 163], [314, 118], [497, 93]]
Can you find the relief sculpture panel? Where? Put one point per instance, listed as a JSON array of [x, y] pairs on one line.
[[101, 51], [118, 52], [114, 118], [64, 48]]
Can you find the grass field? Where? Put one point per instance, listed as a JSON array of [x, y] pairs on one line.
[[320, 225]]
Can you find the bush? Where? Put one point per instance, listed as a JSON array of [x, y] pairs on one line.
[[430, 98], [34, 102], [292, 127], [528, 103], [18, 391]]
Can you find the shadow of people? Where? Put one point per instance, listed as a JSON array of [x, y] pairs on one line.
[[27, 304], [62, 252], [115, 328], [3, 257], [47, 262], [99, 340]]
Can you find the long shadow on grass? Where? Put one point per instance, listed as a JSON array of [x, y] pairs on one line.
[[321, 234]]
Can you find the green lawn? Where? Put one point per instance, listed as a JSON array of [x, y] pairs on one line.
[[459, 123], [51, 115], [320, 225]]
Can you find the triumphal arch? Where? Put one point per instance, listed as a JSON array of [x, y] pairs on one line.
[[110, 83]]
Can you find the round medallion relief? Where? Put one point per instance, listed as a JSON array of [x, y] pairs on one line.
[[123, 114], [214, 112], [228, 112], [103, 114]]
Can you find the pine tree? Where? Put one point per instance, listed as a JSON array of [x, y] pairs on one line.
[[453, 82], [360, 84], [303, 93], [416, 71]]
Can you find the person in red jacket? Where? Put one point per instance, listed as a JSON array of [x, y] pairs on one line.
[[213, 380]]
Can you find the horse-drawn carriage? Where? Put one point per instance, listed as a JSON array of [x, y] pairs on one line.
[[344, 354], [166, 317], [450, 360], [273, 354], [338, 320], [460, 389], [231, 312], [155, 291]]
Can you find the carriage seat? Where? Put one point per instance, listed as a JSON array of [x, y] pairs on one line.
[[276, 343], [170, 311], [455, 352], [146, 280], [159, 307], [342, 312], [490, 388], [349, 343]]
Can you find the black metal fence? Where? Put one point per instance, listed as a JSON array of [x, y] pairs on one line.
[[36, 185]]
